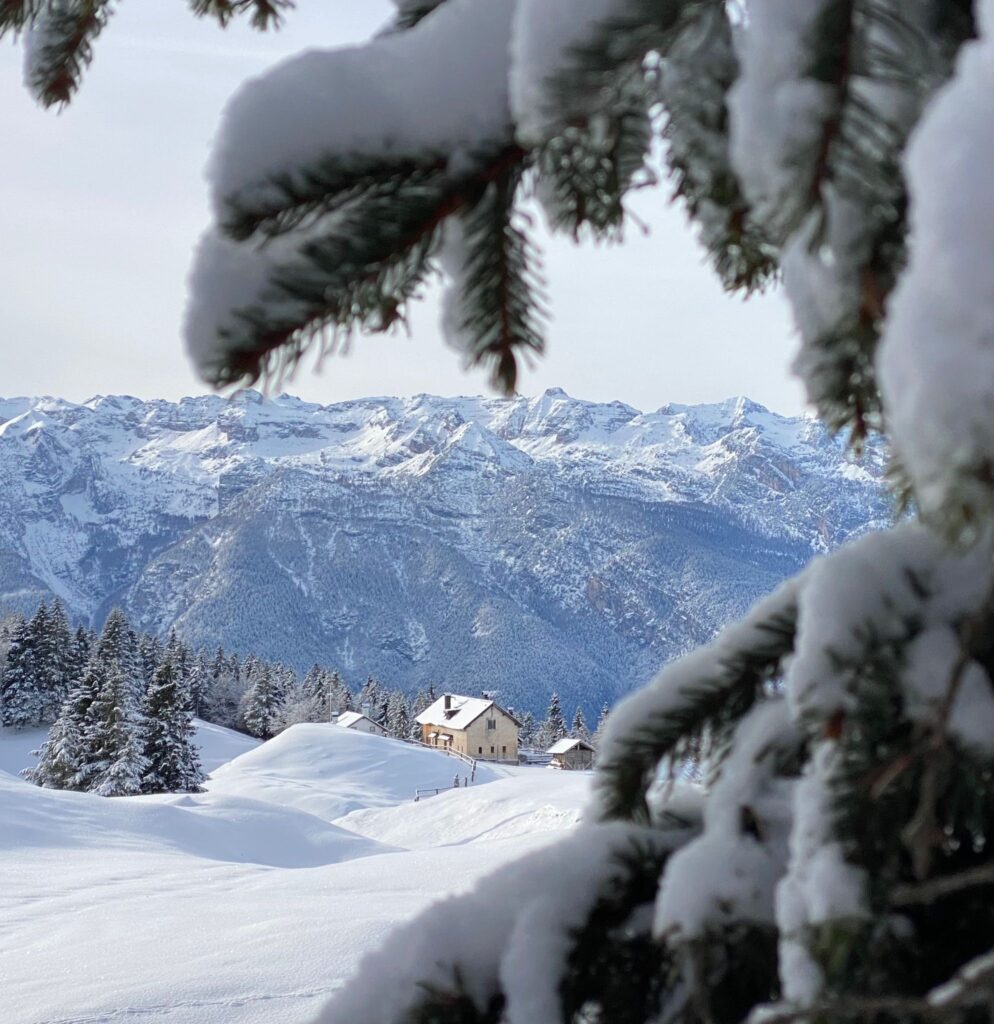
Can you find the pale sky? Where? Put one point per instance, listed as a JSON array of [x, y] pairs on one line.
[[102, 204]]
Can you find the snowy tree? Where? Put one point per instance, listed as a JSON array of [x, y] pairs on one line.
[[841, 863], [528, 733], [398, 719], [173, 761], [371, 700], [62, 661], [21, 699], [339, 697], [263, 701], [199, 682], [149, 657], [578, 730], [118, 645], [116, 736], [67, 758], [553, 727]]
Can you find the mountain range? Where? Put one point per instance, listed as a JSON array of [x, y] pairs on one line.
[[523, 545]]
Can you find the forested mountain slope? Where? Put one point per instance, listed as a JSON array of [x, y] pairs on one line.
[[520, 545]]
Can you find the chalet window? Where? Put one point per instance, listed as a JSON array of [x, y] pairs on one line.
[[491, 750], [479, 750], [491, 724], [503, 750]]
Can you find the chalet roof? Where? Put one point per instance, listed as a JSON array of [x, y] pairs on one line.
[[562, 746], [461, 713], [351, 718]]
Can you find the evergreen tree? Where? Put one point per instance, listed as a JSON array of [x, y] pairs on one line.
[[118, 645], [149, 657], [262, 703], [339, 698], [371, 700], [21, 699], [173, 761], [528, 733], [578, 730], [398, 716], [116, 734], [61, 756], [553, 727], [83, 643], [199, 682]]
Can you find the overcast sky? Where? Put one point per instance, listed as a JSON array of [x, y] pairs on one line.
[[102, 204]]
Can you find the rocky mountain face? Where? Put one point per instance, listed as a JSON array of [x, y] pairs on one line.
[[519, 545]]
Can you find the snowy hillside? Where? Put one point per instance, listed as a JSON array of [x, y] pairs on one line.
[[246, 903], [519, 545]]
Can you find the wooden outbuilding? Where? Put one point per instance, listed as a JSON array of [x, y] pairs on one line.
[[473, 726], [572, 754], [360, 722]]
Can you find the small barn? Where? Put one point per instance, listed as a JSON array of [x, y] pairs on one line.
[[360, 722], [474, 726], [572, 754]]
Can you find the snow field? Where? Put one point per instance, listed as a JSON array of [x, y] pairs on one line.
[[251, 902]]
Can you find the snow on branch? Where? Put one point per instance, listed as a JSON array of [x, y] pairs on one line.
[[729, 873], [713, 684], [696, 73], [937, 358], [437, 92], [59, 46], [565, 53]]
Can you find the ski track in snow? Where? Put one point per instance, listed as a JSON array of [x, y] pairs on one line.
[[152, 909]]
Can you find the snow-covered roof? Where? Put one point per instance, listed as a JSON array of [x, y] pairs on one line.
[[461, 712], [351, 718], [563, 745]]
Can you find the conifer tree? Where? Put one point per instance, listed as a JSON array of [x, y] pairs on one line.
[[63, 664], [339, 698], [21, 699], [116, 735], [398, 716], [528, 733], [262, 703], [173, 761], [553, 727]]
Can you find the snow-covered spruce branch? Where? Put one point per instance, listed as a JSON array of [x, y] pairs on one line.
[[59, 47], [936, 361], [566, 57], [584, 174], [699, 68], [705, 690], [356, 267], [291, 200], [263, 14], [820, 117], [494, 306]]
